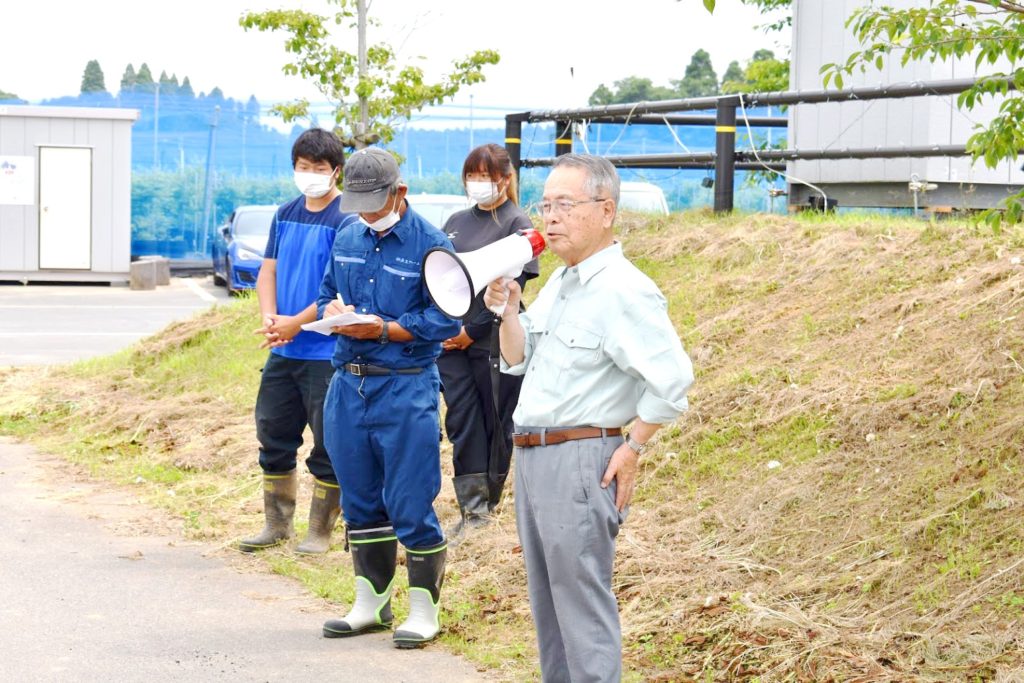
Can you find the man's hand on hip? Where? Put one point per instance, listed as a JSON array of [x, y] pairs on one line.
[[622, 468]]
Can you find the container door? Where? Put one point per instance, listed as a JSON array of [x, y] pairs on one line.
[[65, 208]]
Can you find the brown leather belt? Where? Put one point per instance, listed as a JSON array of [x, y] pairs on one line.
[[547, 438]]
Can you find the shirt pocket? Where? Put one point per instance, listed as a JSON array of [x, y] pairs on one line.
[[349, 266], [399, 291], [579, 347]]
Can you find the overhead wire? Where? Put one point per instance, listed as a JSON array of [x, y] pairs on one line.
[[753, 148]]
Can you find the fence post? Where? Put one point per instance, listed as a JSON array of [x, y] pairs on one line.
[[725, 153], [563, 138], [514, 142]]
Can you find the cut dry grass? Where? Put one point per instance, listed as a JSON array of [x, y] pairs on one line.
[[841, 503]]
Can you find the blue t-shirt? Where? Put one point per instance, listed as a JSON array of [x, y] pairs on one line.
[[381, 276], [301, 240]]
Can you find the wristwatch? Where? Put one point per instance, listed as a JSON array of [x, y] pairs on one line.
[[635, 445], [383, 338]]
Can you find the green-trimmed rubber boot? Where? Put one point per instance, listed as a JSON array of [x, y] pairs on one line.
[[426, 574], [279, 509], [373, 559], [323, 515]]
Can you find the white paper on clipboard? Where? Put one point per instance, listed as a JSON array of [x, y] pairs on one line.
[[324, 325]]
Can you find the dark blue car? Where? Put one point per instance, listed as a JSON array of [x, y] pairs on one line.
[[238, 247]]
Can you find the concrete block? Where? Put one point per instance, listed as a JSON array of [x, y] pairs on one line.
[[163, 268], [142, 274]]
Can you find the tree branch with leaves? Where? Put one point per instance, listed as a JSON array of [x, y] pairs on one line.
[[391, 92]]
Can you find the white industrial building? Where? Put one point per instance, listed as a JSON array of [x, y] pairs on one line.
[[65, 193], [821, 37]]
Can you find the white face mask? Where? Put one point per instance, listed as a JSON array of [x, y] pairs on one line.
[[314, 185], [483, 193], [385, 223]]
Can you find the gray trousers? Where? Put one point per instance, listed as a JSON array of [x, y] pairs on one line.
[[567, 526]]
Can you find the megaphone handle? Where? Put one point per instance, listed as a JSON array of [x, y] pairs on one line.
[[500, 310]]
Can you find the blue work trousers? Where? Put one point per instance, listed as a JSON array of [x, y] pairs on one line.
[[381, 434]]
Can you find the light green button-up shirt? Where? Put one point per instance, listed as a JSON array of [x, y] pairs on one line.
[[600, 349]]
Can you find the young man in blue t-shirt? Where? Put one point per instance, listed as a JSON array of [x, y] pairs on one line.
[[298, 370]]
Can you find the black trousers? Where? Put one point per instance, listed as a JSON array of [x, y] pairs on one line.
[[291, 396], [469, 421]]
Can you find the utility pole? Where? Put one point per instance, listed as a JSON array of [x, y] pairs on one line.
[[245, 124], [156, 126], [364, 109], [200, 242]]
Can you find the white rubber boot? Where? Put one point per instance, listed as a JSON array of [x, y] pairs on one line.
[[426, 574], [373, 558]]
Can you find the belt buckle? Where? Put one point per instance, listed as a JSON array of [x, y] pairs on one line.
[[356, 369]]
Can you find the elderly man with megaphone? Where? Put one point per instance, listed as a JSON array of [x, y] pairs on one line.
[[598, 351]]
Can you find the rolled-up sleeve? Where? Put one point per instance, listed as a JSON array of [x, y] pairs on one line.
[[528, 346], [647, 347], [430, 324]]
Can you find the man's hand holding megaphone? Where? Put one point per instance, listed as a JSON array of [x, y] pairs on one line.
[[506, 292]]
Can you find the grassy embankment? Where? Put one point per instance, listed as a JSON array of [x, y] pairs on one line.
[[842, 502]]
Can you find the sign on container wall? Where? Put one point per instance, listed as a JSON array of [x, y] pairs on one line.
[[17, 180]]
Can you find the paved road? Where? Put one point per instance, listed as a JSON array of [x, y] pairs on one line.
[[45, 324], [82, 598], [85, 597]]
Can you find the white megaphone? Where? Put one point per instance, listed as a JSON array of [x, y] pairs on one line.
[[454, 279]]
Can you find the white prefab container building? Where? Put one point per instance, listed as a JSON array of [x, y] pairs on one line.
[[821, 37], [65, 193]]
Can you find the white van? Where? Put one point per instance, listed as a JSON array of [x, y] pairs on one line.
[[642, 197]]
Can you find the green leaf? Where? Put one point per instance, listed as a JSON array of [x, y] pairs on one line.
[[709, 5]]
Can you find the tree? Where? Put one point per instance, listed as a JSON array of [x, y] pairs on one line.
[[630, 89], [128, 79], [185, 90], [733, 73], [252, 108], [601, 95], [144, 79], [985, 31], [390, 92], [92, 78], [168, 84], [8, 95], [700, 78], [764, 73]]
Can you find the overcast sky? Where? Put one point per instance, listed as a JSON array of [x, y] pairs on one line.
[[553, 52]]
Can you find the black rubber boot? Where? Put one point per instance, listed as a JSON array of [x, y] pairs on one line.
[[494, 491], [279, 509], [373, 559], [426, 574], [472, 493], [323, 515]]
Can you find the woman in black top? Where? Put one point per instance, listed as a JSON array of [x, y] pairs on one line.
[[490, 182]]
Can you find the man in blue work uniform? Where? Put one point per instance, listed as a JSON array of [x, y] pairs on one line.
[[381, 412]]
